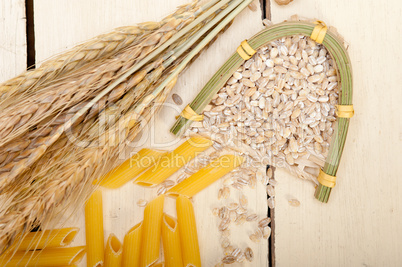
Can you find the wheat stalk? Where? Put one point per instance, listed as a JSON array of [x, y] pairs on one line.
[[34, 151], [104, 45], [28, 148]]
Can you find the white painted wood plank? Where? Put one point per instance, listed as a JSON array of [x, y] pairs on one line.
[[13, 56], [61, 24], [360, 226]]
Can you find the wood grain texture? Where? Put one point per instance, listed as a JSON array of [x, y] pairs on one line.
[[13, 56], [60, 24], [360, 226]]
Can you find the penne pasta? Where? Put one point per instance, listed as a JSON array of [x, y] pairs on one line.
[[113, 252], [173, 161], [188, 232], [206, 176], [151, 232], [48, 238], [159, 264], [131, 168], [171, 242], [131, 247], [94, 230], [47, 257]]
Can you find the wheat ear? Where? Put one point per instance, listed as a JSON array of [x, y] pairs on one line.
[[104, 45], [14, 163]]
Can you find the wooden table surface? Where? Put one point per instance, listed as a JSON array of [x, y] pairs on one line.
[[360, 226]]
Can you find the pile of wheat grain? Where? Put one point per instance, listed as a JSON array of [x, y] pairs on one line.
[[280, 104]]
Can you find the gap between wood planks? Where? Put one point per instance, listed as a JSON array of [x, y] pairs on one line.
[[265, 6], [30, 32], [266, 14]]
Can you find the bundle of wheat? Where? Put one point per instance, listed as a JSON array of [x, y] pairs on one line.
[[57, 133]]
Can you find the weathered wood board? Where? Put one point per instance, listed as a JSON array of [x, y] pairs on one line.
[[13, 55], [360, 226]]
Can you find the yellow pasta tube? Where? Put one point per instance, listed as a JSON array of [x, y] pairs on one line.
[[171, 242], [131, 168], [206, 176], [94, 230], [188, 232], [173, 161], [46, 257], [48, 238], [151, 232], [131, 247], [159, 264], [113, 252]]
